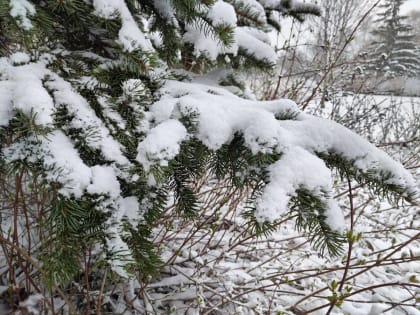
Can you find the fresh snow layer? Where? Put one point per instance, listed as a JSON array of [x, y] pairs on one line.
[[222, 13], [6, 111], [254, 46], [255, 8], [322, 135], [22, 89], [270, 3], [165, 9], [74, 175], [20, 10], [29, 96], [71, 171], [205, 43], [297, 168], [245, 39], [104, 181], [162, 143], [19, 58], [130, 36]]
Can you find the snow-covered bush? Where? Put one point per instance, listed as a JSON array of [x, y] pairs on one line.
[[117, 117]]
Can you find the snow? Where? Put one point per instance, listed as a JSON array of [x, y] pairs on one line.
[[243, 265], [107, 8], [205, 43], [31, 303], [163, 108], [122, 256], [322, 135], [412, 86], [222, 114], [410, 5], [131, 209], [30, 97], [85, 118], [133, 88], [130, 36], [270, 3], [21, 9], [244, 39], [165, 9], [222, 13], [258, 34], [254, 46], [19, 58], [110, 112], [256, 9], [6, 92], [162, 143], [104, 181], [296, 169], [68, 167], [22, 89]]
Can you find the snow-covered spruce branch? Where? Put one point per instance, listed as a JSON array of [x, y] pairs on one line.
[[130, 146]]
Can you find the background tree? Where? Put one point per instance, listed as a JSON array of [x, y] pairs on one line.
[[393, 50], [414, 18]]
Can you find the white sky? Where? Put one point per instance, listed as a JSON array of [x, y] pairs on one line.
[[410, 5]]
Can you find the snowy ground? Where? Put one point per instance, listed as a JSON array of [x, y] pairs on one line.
[[216, 267]]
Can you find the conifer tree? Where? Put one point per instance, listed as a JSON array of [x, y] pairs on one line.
[[111, 109], [393, 51]]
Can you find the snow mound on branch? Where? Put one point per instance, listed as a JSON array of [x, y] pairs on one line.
[[6, 111], [297, 168], [130, 36], [67, 168], [37, 92], [162, 143], [20, 10], [104, 181], [19, 58], [255, 8], [222, 13], [246, 39], [70, 170], [325, 136], [22, 90], [267, 127], [205, 43], [166, 10]]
